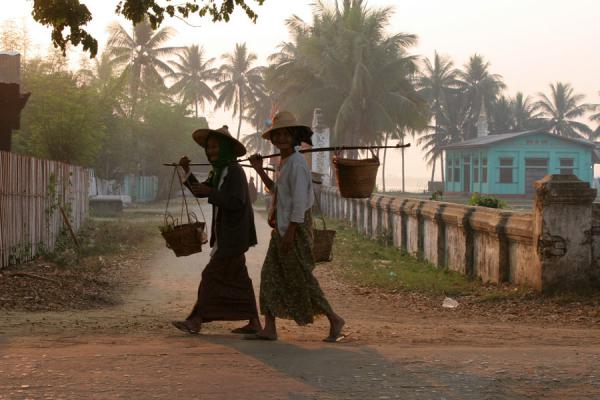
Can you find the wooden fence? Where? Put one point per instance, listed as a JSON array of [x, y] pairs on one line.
[[31, 191]]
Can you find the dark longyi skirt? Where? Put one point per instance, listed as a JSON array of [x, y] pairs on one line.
[[225, 292]]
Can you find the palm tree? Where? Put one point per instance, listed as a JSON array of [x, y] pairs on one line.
[[501, 115], [481, 87], [346, 64], [237, 81], [192, 72], [596, 118], [437, 80], [524, 114], [141, 55], [561, 110]]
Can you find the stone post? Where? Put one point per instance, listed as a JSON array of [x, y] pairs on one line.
[[562, 233]]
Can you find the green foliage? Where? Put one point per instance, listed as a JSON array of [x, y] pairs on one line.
[[563, 109], [62, 120], [239, 81], [72, 15], [437, 196], [486, 201], [371, 263], [346, 63]]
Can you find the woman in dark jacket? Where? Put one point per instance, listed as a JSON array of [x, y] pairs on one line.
[[225, 292]]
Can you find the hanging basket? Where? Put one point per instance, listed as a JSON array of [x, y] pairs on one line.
[[356, 178], [183, 238], [323, 241]]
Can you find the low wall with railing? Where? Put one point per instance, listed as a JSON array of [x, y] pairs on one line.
[[493, 245]]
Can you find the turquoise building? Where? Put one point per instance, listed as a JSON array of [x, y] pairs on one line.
[[508, 164]]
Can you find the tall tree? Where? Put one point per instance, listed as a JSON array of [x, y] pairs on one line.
[[193, 71], [480, 86], [71, 13], [524, 114], [437, 80], [238, 79], [501, 115], [561, 110], [141, 56], [345, 63], [62, 121], [596, 118]]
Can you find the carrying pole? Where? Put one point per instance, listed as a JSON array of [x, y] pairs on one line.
[[312, 150]]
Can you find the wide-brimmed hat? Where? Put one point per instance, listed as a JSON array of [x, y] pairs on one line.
[[285, 119], [201, 136]]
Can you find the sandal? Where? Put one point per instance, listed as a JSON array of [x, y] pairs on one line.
[[256, 336], [335, 339], [182, 326], [245, 330]]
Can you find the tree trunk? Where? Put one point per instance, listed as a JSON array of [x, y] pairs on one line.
[[387, 136], [433, 169], [442, 166], [402, 141], [241, 113], [196, 106]]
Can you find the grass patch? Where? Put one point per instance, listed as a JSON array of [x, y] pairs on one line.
[[100, 238], [369, 262]]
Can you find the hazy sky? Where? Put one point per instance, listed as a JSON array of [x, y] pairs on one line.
[[529, 42]]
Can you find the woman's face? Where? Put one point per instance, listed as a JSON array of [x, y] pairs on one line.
[[212, 149], [282, 139]]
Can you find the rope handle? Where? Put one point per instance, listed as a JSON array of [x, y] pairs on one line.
[[184, 204], [318, 201], [338, 153]]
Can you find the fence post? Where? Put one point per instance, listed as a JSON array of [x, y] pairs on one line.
[[562, 232]]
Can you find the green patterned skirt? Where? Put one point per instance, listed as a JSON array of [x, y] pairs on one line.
[[288, 288]]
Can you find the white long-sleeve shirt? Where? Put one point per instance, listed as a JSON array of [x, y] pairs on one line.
[[294, 191]]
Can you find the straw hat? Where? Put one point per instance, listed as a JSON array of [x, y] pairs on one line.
[[201, 135], [285, 119]]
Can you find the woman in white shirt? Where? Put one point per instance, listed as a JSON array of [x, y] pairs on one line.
[[288, 288]]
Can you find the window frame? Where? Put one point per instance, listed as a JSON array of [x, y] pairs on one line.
[[506, 169]]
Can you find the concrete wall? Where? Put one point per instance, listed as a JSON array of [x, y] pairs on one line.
[[493, 245]]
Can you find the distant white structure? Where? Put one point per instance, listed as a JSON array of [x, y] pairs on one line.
[[321, 138], [482, 122], [10, 67]]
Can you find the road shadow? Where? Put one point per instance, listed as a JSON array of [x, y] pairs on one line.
[[348, 372]]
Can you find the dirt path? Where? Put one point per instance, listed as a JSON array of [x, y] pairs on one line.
[[397, 349]]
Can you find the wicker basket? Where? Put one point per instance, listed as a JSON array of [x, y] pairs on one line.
[[183, 239], [323, 244], [322, 239], [186, 239], [356, 178]]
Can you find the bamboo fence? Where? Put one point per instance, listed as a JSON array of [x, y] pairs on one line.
[[31, 191]]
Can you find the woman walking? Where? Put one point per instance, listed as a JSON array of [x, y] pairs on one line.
[[288, 288], [225, 292]]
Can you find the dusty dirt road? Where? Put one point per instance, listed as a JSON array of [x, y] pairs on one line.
[[396, 350]]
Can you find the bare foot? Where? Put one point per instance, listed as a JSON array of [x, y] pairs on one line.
[[336, 324], [266, 335], [187, 326]]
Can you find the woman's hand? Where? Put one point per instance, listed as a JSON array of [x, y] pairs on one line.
[[201, 190], [184, 162], [256, 161], [287, 241]]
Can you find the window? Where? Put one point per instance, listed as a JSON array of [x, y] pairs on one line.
[[457, 170], [484, 170], [506, 170], [567, 166], [449, 170], [475, 170]]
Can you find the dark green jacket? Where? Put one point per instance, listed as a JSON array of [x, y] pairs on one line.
[[234, 219]]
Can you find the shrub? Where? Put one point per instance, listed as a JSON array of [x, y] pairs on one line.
[[486, 201]]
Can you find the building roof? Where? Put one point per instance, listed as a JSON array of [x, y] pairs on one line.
[[488, 140]]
